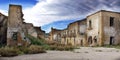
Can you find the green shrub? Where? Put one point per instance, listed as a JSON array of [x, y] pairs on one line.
[[9, 51], [46, 47], [68, 47], [60, 48], [35, 41], [53, 47], [33, 49], [14, 51]]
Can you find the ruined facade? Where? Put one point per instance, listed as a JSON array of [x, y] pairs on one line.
[[100, 28], [3, 29], [17, 29], [15, 33], [33, 31], [103, 27], [29, 29], [55, 35], [74, 34], [40, 32]]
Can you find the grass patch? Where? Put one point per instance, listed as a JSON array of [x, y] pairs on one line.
[[112, 46], [14, 51], [9, 51]]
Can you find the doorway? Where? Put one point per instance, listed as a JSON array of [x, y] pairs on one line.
[[81, 42], [90, 40], [111, 40]]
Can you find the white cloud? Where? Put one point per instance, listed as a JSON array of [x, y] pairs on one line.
[[5, 12], [48, 11], [45, 12]]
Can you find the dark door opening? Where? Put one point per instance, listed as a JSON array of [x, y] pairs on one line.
[[111, 40], [90, 40], [81, 42]]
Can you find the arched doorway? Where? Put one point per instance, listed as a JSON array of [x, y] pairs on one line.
[[90, 40]]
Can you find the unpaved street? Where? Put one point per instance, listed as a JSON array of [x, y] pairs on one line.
[[84, 53]]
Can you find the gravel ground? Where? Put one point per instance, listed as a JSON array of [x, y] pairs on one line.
[[84, 53]]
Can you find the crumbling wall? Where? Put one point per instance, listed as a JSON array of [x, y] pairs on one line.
[[29, 29], [94, 29], [111, 31], [40, 32], [55, 35], [3, 29], [15, 32]]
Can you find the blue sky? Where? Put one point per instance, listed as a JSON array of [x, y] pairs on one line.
[[58, 13], [25, 3]]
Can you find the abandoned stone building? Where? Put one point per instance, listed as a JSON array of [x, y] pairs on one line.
[[15, 33], [3, 29], [15, 29], [100, 28], [74, 34], [103, 27], [55, 35]]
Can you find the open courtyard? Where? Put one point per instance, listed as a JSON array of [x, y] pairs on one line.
[[84, 53]]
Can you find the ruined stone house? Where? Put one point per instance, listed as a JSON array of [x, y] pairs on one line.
[[100, 28], [15, 33], [3, 29], [74, 34], [103, 27], [55, 35], [13, 30]]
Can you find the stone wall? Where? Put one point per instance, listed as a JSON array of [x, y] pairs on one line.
[[74, 34], [101, 32], [55, 35], [111, 33], [29, 29], [15, 32], [40, 32], [95, 30]]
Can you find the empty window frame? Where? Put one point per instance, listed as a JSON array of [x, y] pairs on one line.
[[111, 21], [90, 24]]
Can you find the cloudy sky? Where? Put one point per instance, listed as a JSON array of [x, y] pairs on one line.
[[58, 13]]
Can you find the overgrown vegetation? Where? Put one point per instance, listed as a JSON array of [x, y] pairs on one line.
[[35, 41], [50, 45], [14, 51], [9, 51], [57, 46], [37, 46]]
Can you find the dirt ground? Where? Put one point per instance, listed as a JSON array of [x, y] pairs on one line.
[[84, 53]]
